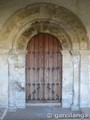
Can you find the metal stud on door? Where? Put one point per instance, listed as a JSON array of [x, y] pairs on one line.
[[43, 69]]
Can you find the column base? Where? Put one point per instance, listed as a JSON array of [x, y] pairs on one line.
[[75, 107], [12, 109]]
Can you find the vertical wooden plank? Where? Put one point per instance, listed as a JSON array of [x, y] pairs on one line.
[[55, 67], [27, 76], [31, 68], [48, 68], [46, 76], [50, 64], [41, 65], [36, 67], [53, 75], [59, 73], [28, 73], [34, 75]]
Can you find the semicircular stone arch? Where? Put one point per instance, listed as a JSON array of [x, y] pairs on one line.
[[43, 27], [47, 18]]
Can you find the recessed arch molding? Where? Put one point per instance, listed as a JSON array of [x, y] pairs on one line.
[[46, 18]]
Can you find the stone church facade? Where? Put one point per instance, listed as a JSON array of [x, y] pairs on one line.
[[70, 24]]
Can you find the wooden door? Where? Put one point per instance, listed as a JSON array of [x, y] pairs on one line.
[[43, 69]]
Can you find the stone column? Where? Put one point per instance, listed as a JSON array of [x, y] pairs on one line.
[[76, 80], [67, 77], [85, 79], [11, 102], [16, 63], [20, 91]]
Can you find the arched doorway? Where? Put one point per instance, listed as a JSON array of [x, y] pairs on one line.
[[40, 18], [43, 69]]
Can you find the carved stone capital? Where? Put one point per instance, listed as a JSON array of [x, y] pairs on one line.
[[84, 52], [22, 52], [65, 52], [12, 59], [75, 52], [75, 57]]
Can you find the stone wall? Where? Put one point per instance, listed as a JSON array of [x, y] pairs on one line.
[[3, 80], [85, 79], [73, 33]]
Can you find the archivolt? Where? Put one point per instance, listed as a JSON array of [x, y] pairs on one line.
[[47, 18], [43, 27]]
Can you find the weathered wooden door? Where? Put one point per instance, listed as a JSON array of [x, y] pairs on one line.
[[43, 69]]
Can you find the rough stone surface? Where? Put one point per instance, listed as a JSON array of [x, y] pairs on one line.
[[54, 19], [62, 17]]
